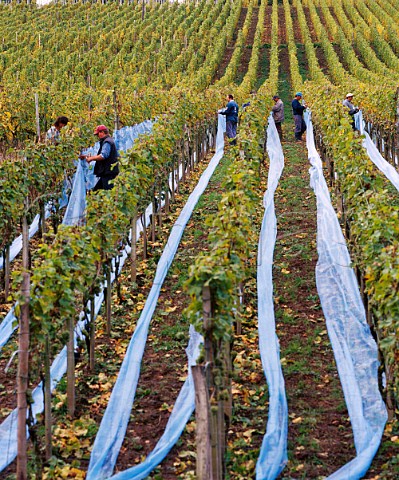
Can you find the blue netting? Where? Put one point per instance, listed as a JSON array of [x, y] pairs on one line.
[[273, 454], [84, 179], [116, 417], [8, 429], [124, 139], [354, 348], [375, 156], [16, 245], [180, 415], [73, 215]]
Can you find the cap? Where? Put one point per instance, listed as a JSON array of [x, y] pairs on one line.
[[298, 94], [275, 96], [349, 95], [100, 128]]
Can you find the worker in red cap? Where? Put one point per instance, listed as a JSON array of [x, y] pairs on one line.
[[106, 167]]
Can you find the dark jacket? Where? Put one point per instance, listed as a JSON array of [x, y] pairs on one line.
[[231, 112], [297, 108], [107, 168], [349, 105]]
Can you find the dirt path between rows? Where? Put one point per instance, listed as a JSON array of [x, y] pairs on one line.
[[230, 48], [165, 362], [247, 52], [319, 433]]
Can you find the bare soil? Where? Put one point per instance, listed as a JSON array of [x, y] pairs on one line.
[[322, 60], [230, 48], [310, 25], [297, 30], [246, 54], [267, 32], [319, 433], [282, 31]]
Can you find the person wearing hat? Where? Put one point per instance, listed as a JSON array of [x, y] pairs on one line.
[[278, 115], [231, 112], [297, 111], [352, 110], [106, 167]]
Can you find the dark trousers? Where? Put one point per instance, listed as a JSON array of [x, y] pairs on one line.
[[231, 131], [103, 184], [279, 130], [300, 126]]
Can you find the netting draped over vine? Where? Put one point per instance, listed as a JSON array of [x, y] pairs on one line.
[[116, 417], [354, 348], [273, 454], [73, 214], [375, 156]]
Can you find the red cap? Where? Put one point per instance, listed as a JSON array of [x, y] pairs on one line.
[[100, 128]]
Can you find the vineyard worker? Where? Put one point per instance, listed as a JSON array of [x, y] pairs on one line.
[[248, 104], [297, 110], [53, 133], [278, 115], [106, 167], [231, 112], [351, 108]]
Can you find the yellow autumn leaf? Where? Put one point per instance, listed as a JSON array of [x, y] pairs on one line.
[[248, 433], [80, 431], [170, 309]]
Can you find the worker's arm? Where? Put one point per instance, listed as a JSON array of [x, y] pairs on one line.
[[105, 153]]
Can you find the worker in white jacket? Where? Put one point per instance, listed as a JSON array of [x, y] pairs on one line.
[[352, 110]]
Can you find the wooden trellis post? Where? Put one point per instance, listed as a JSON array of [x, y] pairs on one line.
[[154, 214], [116, 115], [159, 215], [37, 117], [42, 218], [71, 368], [133, 252], [23, 363], [209, 408], [202, 410], [396, 142], [6, 266], [108, 298], [144, 236], [183, 161], [92, 335], [47, 401]]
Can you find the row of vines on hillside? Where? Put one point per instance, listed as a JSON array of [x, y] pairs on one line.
[[370, 203], [68, 273], [102, 47], [217, 278], [37, 172]]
